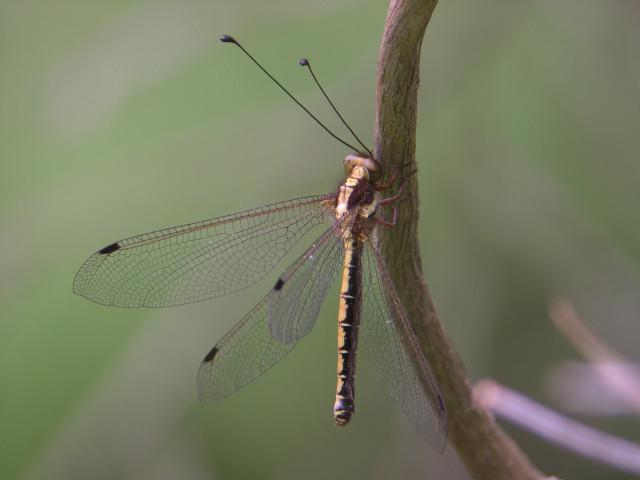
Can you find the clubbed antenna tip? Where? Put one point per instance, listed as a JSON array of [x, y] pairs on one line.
[[228, 39]]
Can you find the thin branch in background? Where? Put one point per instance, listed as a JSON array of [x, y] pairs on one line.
[[580, 388], [568, 322], [558, 429], [611, 366]]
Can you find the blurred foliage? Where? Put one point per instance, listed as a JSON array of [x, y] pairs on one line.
[[122, 117]]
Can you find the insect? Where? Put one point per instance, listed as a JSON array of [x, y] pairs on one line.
[[207, 259]]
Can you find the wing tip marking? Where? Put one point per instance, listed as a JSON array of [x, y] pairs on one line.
[[211, 355], [279, 284], [109, 249]]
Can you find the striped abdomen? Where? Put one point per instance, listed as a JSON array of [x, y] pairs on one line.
[[348, 324]]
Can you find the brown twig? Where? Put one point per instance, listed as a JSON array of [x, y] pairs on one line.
[[555, 428], [486, 450]]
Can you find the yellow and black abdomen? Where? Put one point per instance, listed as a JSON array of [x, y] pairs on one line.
[[349, 316]]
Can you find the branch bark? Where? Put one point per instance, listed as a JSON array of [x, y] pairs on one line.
[[487, 451]]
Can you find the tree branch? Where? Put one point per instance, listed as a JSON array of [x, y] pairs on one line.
[[486, 450]]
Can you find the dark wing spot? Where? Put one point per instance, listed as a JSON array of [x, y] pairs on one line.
[[279, 284], [210, 355], [110, 249], [441, 404]]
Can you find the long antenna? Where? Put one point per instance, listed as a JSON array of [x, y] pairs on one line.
[[230, 39], [305, 63]]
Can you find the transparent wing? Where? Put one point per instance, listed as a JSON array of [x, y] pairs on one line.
[[270, 331], [198, 261], [387, 334]]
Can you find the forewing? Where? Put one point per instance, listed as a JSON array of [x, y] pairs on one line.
[[270, 331], [387, 334], [201, 260]]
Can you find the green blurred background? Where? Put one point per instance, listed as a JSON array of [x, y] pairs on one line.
[[122, 117]]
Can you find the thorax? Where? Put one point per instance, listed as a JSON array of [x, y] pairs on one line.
[[357, 193]]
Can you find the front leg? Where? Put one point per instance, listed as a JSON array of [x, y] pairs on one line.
[[389, 223]]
